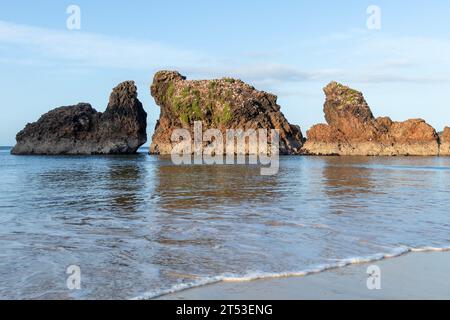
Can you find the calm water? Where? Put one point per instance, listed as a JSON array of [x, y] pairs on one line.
[[139, 225]]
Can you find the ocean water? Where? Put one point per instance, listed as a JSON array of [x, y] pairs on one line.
[[138, 226]]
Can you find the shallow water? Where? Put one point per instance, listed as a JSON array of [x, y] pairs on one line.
[[139, 226]]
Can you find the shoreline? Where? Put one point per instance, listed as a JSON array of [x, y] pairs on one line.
[[145, 151], [413, 275]]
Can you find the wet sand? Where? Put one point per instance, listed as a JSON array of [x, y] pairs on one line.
[[413, 276]]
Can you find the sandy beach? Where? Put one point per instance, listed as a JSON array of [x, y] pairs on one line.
[[411, 276]]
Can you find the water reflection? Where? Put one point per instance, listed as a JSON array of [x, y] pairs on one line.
[[347, 182], [345, 176], [212, 187], [126, 182]]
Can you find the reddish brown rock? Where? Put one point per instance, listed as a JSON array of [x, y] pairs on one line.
[[80, 129], [445, 142], [353, 130], [222, 104]]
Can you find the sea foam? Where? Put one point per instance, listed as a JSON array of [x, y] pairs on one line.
[[252, 276]]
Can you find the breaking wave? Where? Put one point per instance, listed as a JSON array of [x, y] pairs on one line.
[[252, 276]]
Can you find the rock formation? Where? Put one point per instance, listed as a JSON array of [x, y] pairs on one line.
[[80, 129], [222, 104], [353, 130], [445, 142]]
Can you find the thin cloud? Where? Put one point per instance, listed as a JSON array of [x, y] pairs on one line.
[[264, 73], [80, 49], [377, 57], [364, 57], [89, 49], [395, 78]]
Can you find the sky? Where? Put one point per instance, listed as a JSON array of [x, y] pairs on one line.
[[289, 48]]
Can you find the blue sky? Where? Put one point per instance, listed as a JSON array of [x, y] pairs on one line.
[[290, 48]]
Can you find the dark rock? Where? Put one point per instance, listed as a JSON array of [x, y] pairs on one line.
[[80, 129]]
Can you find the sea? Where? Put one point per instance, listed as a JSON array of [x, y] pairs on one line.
[[139, 226]]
